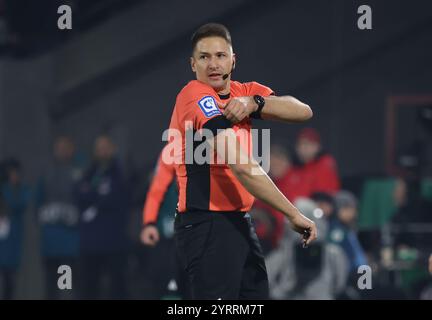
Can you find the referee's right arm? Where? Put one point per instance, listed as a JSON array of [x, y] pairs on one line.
[[257, 182]]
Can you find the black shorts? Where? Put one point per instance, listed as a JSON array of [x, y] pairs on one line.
[[221, 254]]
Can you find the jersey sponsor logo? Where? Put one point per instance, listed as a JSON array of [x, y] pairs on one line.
[[209, 106]]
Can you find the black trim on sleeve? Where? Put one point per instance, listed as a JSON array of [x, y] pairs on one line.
[[217, 123], [198, 182], [224, 96]]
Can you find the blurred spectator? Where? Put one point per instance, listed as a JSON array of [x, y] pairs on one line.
[[15, 200], [104, 208], [269, 223], [342, 230], [430, 264], [317, 272], [58, 213], [318, 168], [283, 173], [326, 203], [426, 293], [411, 208], [268, 229], [316, 173]]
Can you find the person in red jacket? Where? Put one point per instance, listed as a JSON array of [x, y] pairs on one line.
[[318, 169], [287, 177], [316, 173]]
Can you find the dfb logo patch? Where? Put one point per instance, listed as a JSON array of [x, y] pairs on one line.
[[209, 106]]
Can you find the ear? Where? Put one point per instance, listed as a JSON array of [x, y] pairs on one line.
[[234, 61], [192, 62]]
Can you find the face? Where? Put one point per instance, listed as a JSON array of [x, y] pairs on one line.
[[63, 149], [279, 164], [326, 207], [14, 176], [212, 58], [347, 215], [400, 193], [307, 150], [104, 149]]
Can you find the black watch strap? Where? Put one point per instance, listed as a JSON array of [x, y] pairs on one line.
[[260, 101]]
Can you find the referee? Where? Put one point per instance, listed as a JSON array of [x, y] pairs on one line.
[[214, 235]]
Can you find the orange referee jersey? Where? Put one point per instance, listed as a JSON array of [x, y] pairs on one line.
[[210, 187], [162, 179]]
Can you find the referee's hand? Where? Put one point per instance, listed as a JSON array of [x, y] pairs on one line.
[[239, 108], [150, 235], [305, 227]]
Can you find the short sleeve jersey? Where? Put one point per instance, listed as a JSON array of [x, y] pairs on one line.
[[209, 186]]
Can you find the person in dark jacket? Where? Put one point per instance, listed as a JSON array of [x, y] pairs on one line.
[[58, 214], [15, 198], [102, 196], [343, 232]]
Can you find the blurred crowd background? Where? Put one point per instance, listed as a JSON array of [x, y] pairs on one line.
[[82, 113]]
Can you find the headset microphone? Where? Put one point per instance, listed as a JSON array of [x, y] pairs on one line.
[[226, 75]]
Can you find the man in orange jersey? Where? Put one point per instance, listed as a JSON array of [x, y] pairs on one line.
[[161, 182], [215, 238], [159, 209]]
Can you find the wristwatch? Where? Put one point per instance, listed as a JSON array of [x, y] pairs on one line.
[[259, 100]]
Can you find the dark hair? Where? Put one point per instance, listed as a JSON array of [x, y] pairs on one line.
[[279, 149], [324, 197], [210, 30]]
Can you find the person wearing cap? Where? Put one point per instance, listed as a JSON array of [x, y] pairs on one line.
[[318, 168], [342, 230]]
